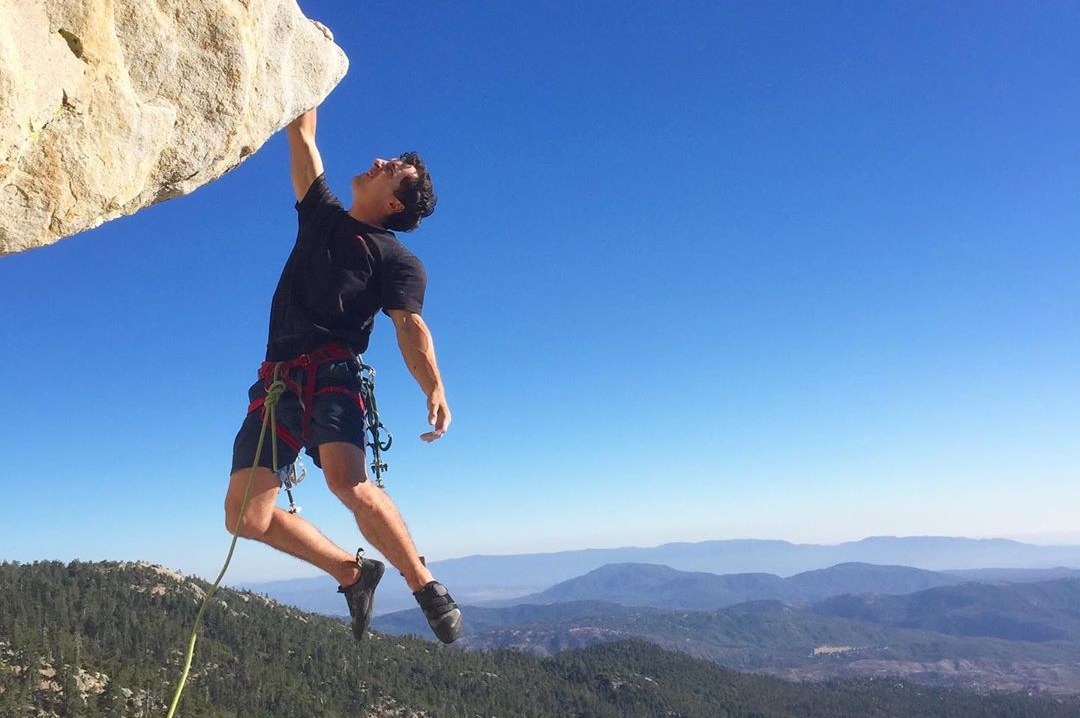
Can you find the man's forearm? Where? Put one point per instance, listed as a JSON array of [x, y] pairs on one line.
[[305, 163], [418, 350]]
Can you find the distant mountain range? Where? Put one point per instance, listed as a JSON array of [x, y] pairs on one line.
[[759, 556], [484, 580], [633, 584]]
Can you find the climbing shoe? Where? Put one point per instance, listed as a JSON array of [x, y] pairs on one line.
[[441, 612], [361, 595]]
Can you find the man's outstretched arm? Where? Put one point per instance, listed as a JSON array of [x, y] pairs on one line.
[[305, 163], [418, 350]]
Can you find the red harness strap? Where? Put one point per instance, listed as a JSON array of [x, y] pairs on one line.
[[305, 392]]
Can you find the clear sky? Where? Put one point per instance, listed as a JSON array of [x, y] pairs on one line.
[[700, 270]]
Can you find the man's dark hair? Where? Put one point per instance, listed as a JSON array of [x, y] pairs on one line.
[[417, 195]]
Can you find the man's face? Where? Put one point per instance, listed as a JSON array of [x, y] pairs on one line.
[[379, 183]]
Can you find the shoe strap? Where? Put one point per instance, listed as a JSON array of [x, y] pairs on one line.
[[434, 598]]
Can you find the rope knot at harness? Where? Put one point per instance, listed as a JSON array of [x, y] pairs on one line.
[[274, 391]]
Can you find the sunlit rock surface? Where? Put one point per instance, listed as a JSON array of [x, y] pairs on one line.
[[108, 106]]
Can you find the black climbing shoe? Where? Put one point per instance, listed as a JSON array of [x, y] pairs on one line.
[[361, 595], [441, 612]]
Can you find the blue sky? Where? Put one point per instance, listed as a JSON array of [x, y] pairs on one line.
[[805, 271]]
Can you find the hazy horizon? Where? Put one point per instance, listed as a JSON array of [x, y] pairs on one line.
[[285, 568]]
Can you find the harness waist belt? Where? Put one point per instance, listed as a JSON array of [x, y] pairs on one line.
[[306, 392]]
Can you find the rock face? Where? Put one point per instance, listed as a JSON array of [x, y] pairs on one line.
[[108, 106]]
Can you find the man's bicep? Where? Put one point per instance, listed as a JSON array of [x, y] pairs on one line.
[[402, 317]]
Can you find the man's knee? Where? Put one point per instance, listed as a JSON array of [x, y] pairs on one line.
[[252, 524], [345, 471], [352, 489], [253, 519]]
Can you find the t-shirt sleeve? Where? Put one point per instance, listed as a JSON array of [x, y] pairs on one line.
[[318, 202], [403, 284]]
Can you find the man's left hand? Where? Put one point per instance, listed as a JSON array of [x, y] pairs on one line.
[[438, 417]]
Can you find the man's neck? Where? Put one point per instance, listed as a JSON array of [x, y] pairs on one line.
[[364, 214]]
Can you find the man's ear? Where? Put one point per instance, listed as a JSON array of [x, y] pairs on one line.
[[393, 205]]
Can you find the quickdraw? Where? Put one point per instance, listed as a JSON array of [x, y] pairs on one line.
[[374, 425], [289, 477]]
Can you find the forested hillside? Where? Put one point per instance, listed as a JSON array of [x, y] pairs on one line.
[[107, 639], [1039, 612]]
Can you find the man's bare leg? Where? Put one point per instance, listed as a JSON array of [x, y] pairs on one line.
[[264, 521], [376, 514]]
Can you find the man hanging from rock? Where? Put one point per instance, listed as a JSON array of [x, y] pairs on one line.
[[345, 267]]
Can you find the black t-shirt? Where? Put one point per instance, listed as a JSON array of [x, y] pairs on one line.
[[340, 274]]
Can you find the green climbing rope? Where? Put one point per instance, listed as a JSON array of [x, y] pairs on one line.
[[273, 393]]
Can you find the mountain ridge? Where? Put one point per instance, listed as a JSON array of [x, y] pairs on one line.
[[481, 579], [664, 587]]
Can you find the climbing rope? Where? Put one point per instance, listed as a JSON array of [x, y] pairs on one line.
[[273, 394]]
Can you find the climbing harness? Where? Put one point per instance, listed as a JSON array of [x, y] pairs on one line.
[[306, 393], [276, 379]]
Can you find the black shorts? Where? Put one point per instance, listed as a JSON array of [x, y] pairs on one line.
[[336, 415]]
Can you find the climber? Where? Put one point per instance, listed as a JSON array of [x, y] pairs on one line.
[[345, 266]]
